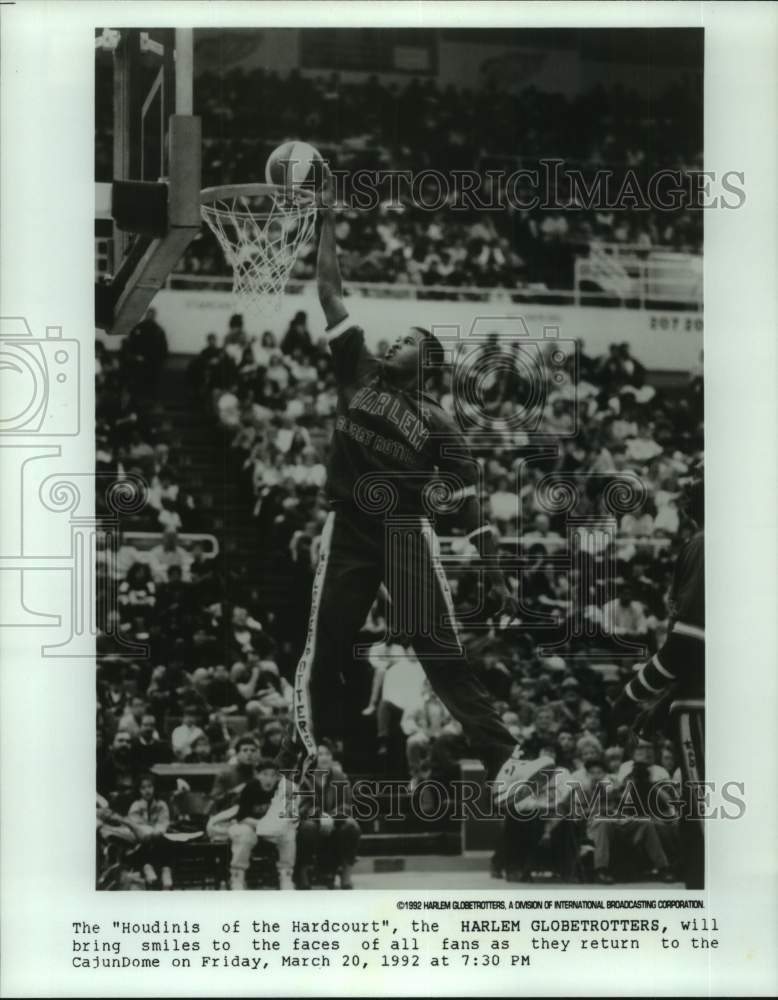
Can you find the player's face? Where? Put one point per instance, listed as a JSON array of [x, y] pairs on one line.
[[402, 356]]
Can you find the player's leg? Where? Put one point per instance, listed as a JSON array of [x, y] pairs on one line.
[[420, 593], [347, 578]]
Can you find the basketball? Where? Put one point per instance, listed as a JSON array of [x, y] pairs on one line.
[[295, 165]]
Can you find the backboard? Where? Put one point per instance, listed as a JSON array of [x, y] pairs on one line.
[[147, 167]]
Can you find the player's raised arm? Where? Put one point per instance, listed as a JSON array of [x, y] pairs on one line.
[[328, 278]]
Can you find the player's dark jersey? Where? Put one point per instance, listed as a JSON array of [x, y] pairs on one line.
[[384, 435], [687, 595]]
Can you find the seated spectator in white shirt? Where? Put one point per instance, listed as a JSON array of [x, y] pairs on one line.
[[169, 553], [541, 534], [184, 735], [625, 616]]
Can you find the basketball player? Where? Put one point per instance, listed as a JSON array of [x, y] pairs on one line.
[[391, 444], [677, 671]]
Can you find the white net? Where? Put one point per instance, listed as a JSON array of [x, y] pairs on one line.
[[261, 230]]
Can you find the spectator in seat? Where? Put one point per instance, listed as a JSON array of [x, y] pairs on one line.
[[184, 735], [397, 689], [113, 696], [218, 735], [536, 826], [542, 534], [264, 348], [640, 832], [228, 408], [116, 764], [565, 749], [221, 693], [130, 720], [504, 506], [148, 748], [169, 553], [137, 594], [571, 708], [422, 728], [200, 752], [204, 366], [235, 339], [149, 819], [243, 632], [195, 691], [544, 731], [272, 738], [144, 352], [265, 810], [272, 694], [229, 783], [328, 835], [624, 616], [297, 336]]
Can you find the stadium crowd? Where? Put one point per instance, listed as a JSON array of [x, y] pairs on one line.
[[211, 699], [455, 242]]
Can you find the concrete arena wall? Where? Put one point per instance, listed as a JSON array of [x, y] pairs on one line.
[[663, 341]]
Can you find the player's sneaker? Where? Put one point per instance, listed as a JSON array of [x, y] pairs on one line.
[[515, 772]]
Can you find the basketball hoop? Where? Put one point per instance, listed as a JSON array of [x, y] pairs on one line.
[[261, 230]]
